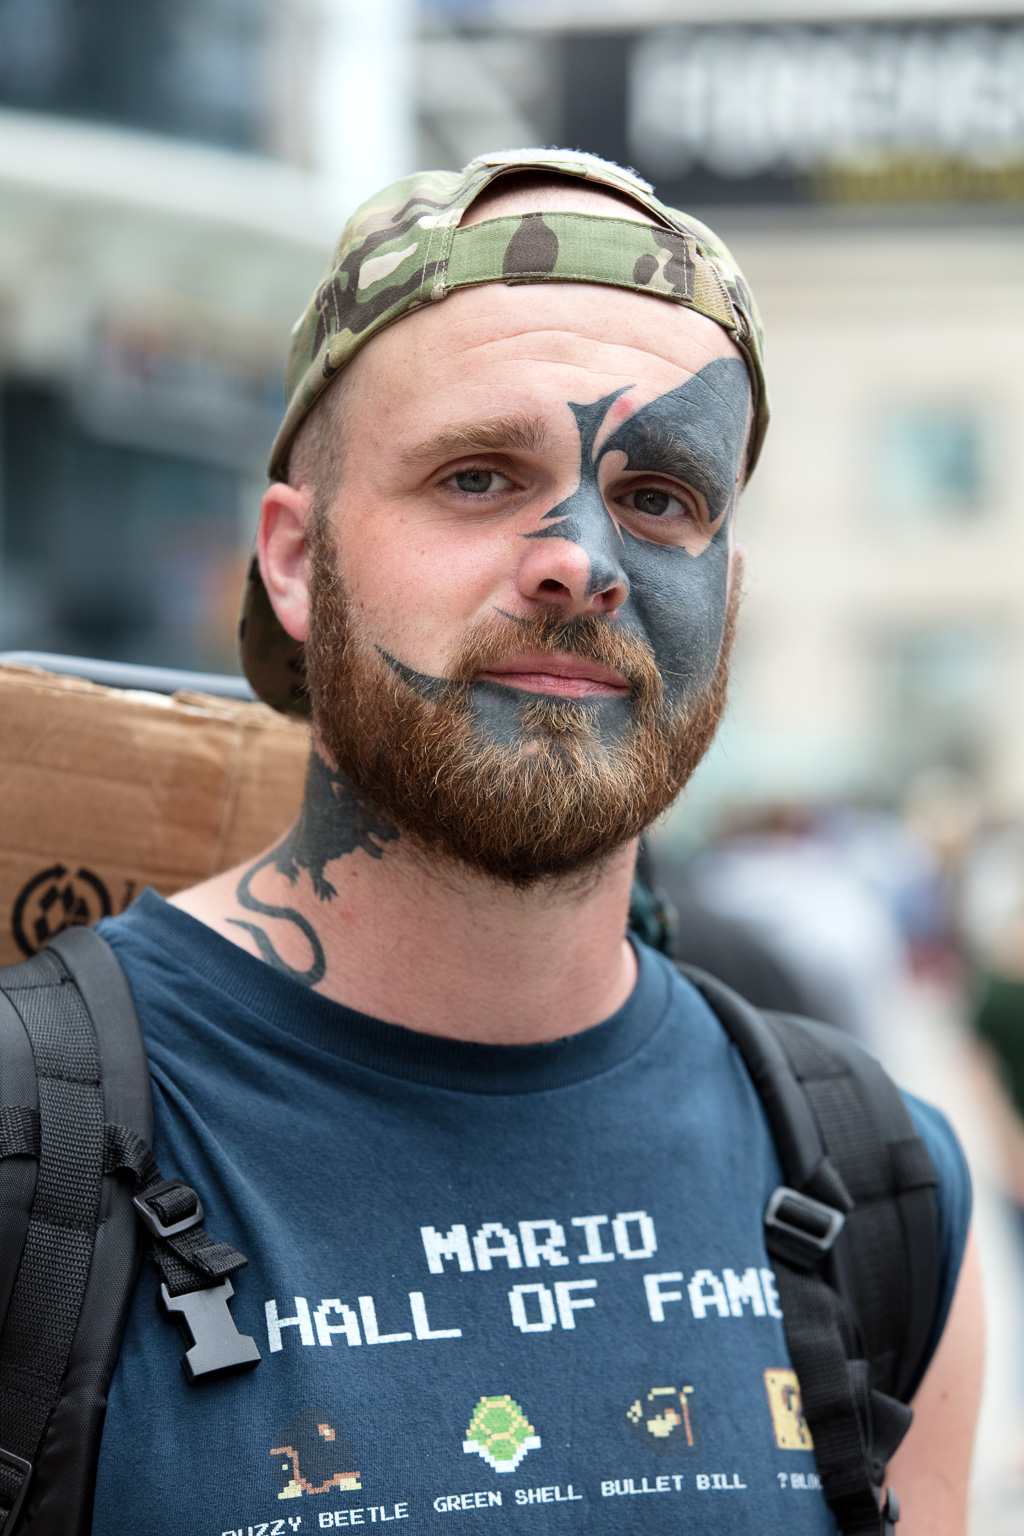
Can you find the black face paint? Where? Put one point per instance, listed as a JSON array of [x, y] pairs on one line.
[[676, 601], [498, 707], [574, 518]]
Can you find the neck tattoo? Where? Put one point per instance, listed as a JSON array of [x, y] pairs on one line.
[[334, 821]]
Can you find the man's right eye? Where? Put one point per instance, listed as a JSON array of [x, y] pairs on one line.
[[477, 482]]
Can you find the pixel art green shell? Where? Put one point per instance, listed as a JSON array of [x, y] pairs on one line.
[[500, 1432], [403, 249]]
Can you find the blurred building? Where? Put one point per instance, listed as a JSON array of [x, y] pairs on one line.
[[172, 176], [172, 173]]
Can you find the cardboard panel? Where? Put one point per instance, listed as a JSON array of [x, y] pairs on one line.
[[104, 791]]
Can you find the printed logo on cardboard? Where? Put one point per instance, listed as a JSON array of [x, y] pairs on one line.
[[313, 1456], [787, 1410], [54, 900], [662, 1419]]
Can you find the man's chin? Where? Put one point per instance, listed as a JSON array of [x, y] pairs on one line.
[[527, 720], [552, 800], [512, 870], [553, 804]]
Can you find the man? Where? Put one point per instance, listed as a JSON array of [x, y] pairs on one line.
[[499, 1175]]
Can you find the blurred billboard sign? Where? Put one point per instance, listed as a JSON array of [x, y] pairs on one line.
[[929, 111]]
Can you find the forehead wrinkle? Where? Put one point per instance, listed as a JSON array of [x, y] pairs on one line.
[[647, 347], [489, 434]]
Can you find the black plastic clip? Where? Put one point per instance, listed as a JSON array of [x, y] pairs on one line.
[[153, 1222], [18, 1464], [218, 1349], [800, 1228]]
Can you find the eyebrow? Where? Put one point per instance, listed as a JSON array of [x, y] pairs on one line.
[[658, 449], [492, 433]]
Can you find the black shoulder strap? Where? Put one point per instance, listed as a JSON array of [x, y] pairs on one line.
[[75, 1116], [887, 1261], [853, 1235], [79, 1249]]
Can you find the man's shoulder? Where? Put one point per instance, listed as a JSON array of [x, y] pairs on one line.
[[153, 932], [177, 967], [954, 1197]]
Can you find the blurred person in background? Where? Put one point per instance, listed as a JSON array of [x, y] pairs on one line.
[[993, 924], [694, 934], [785, 878], [852, 902]]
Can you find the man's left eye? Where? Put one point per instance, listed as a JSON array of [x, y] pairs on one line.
[[656, 503]]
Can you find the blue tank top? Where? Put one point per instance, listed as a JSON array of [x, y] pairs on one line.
[[483, 1279]]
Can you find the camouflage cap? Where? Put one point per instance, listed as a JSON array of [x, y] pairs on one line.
[[403, 249]]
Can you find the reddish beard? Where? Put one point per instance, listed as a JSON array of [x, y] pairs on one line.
[[552, 802]]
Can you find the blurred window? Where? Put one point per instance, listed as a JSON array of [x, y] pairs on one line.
[[930, 463], [115, 551], [36, 44], [945, 668], [194, 68], [188, 385], [943, 683]]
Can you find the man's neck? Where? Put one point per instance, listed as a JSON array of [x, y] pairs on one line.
[[346, 905]]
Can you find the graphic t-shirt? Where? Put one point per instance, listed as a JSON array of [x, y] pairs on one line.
[[496, 1289]]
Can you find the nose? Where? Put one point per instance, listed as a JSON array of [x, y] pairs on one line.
[[563, 573]]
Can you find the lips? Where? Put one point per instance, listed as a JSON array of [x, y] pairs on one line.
[[572, 677]]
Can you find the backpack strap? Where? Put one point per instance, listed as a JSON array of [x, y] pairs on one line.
[[853, 1235], [870, 1136], [75, 1112], [46, 1382]]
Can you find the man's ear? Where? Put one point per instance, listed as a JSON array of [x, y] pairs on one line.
[[282, 549]]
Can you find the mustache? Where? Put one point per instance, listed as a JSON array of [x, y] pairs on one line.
[[588, 637]]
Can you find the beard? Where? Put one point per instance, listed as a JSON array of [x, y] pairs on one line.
[[553, 798]]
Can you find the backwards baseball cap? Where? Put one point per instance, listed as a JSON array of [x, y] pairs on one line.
[[404, 248]]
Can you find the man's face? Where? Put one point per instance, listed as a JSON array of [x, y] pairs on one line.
[[532, 534]]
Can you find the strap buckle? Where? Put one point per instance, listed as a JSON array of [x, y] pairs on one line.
[[890, 1513], [218, 1348], [802, 1220], [18, 1464], [151, 1219]]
